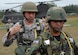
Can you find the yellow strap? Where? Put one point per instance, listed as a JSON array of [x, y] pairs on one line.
[[67, 40], [35, 33], [44, 29]]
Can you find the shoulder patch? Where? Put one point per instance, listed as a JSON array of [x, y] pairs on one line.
[[47, 42], [36, 41], [71, 40]]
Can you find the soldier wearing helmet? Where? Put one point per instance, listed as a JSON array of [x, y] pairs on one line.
[[55, 41], [9, 24], [24, 31], [57, 15]]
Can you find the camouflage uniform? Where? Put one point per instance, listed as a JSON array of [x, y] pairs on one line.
[[47, 44], [9, 24], [26, 35]]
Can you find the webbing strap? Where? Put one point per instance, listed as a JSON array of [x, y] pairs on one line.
[[35, 33], [35, 30], [67, 40], [44, 29], [49, 51]]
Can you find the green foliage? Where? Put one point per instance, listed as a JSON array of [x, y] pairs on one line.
[[1, 14], [71, 9], [1, 24]]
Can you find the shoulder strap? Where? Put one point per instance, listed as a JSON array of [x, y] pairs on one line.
[[44, 35], [66, 36], [21, 33], [22, 23], [37, 21]]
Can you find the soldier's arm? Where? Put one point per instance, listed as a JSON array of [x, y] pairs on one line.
[[13, 30], [41, 25], [6, 41], [11, 34]]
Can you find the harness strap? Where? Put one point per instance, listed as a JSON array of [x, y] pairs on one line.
[[35, 30], [44, 29], [67, 40], [35, 33], [20, 33], [49, 51]]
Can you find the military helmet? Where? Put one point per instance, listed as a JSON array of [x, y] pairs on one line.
[[29, 7], [56, 13], [9, 20]]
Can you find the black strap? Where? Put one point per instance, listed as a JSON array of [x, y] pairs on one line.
[[38, 24], [22, 23], [21, 33]]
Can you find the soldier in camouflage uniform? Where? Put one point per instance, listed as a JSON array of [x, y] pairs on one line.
[[9, 24], [54, 41], [24, 31]]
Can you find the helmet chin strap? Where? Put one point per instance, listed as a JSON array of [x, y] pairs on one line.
[[55, 29], [25, 17]]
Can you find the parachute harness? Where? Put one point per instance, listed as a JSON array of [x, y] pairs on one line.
[[67, 40]]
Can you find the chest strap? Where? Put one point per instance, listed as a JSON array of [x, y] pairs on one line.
[[35, 33], [44, 29], [67, 40]]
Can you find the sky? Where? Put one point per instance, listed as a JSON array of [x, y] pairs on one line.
[[60, 3]]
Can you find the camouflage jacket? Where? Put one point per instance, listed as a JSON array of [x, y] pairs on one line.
[[46, 44], [25, 36]]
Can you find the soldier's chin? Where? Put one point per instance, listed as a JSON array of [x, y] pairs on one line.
[[57, 30], [30, 19]]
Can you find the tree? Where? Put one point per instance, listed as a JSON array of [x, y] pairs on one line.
[[1, 13], [71, 9]]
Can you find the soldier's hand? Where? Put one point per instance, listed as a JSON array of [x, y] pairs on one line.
[[16, 28]]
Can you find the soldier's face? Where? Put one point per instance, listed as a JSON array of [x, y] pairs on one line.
[[56, 25], [30, 16]]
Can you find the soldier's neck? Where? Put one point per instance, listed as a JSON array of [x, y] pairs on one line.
[[54, 33]]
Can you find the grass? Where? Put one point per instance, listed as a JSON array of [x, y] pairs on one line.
[[73, 20], [72, 30], [1, 24], [6, 50]]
